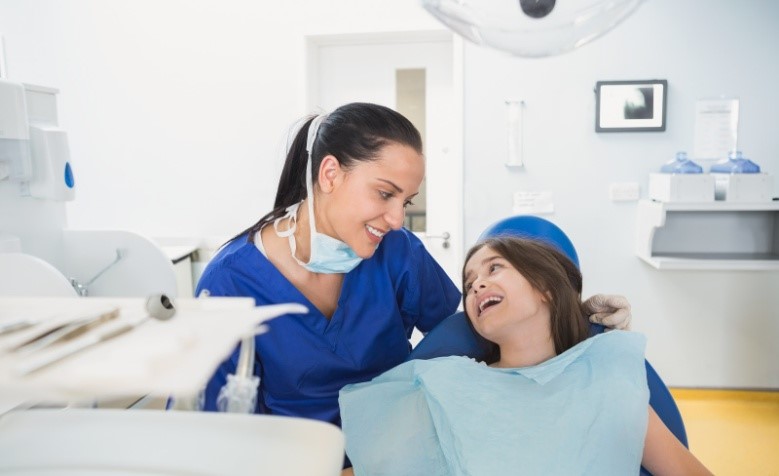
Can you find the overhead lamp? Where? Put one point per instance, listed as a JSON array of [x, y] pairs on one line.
[[531, 28]]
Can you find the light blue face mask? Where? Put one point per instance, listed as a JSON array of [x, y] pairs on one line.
[[328, 255]]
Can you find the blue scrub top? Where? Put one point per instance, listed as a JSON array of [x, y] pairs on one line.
[[304, 360]]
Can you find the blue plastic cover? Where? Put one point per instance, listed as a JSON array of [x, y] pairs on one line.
[[681, 165], [736, 163]]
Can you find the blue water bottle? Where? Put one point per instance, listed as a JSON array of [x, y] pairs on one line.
[[681, 165], [736, 163]]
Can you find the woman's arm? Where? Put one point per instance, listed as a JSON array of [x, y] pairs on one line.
[[664, 454], [347, 472]]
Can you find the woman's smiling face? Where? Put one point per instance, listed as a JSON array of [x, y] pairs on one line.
[[370, 199]]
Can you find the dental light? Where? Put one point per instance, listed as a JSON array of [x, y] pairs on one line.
[[531, 28]]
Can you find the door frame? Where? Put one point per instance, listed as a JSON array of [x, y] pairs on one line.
[[456, 150]]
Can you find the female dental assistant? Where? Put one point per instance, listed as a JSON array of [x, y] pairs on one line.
[[366, 281], [335, 243]]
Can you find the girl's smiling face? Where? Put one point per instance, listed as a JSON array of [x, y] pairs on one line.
[[498, 298]]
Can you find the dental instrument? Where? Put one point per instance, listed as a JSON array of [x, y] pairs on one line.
[[18, 325], [158, 307], [62, 332]]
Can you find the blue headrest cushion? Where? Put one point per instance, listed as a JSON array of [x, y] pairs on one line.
[[534, 227]]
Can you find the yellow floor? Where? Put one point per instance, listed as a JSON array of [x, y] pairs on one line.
[[732, 432]]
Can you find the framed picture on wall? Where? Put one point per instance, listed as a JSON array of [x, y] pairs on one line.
[[630, 106]]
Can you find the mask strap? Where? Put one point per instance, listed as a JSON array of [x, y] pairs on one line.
[[312, 131], [292, 209], [292, 212]]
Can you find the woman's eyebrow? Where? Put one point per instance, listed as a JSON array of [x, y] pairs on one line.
[[392, 184]]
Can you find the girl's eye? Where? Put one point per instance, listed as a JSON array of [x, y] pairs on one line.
[[495, 266], [408, 204], [467, 287]]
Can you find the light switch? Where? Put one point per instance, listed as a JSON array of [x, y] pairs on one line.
[[624, 192]]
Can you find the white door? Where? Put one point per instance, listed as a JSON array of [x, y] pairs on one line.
[[369, 68]]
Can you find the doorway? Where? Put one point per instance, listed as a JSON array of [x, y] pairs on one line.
[[420, 75]]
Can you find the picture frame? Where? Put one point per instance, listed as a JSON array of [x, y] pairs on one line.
[[631, 106]]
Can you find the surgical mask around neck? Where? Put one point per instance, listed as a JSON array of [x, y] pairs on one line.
[[327, 254]]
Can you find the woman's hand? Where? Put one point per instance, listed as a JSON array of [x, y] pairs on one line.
[[612, 311], [347, 472]]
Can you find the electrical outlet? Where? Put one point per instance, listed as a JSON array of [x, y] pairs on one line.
[[624, 192]]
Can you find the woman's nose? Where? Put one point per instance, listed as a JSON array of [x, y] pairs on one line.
[[395, 217]]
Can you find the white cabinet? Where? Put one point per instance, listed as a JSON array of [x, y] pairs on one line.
[[708, 236]]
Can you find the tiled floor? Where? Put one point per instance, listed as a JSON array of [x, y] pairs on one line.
[[732, 432]]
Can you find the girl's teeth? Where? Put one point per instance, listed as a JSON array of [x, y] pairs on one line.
[[484, 303]]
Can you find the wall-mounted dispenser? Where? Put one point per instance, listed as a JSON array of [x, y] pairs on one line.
[[14, 133], [33, 149], [52, 174]]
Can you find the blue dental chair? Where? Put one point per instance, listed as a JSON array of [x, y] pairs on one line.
[[454, 336]]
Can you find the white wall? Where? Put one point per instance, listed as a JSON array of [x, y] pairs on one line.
[[177, 109], [176, 112], [704, 328]]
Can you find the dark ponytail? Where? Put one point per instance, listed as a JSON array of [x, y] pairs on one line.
[[352, 133]]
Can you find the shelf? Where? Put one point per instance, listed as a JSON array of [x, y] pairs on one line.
[[708, 236], [714, 262], [716, 206]]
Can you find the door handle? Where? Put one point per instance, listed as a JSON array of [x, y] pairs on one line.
[[443, 236]]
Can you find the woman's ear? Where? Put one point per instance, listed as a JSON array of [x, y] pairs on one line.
[[329, 173]]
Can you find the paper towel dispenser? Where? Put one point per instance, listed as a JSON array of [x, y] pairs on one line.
[[14, 133], [33, 149]]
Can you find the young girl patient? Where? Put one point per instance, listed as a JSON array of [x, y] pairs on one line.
[[549, 401]]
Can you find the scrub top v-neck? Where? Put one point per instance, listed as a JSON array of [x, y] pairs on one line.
[[304, 360]]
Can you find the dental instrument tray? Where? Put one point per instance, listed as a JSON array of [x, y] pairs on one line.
[[81, 348]]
